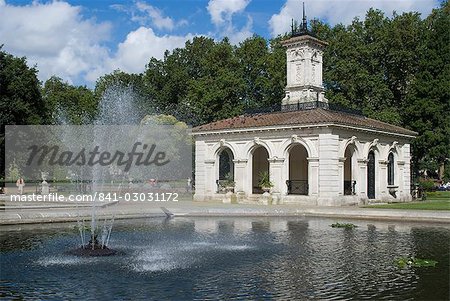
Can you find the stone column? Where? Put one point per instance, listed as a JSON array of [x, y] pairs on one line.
[[313, 176], [400, 179], [407, 172], [361, 183], [239, 175], [210, 177], [276, 176], [381, 189], [200, 171], [328, 169], [341, 175], [240, 169]]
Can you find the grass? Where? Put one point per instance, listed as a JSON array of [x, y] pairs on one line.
[[439, 200], [404, 262]]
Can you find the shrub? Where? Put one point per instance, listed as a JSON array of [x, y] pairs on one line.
[[427, 185]]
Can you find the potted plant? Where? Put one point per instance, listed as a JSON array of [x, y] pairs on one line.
[[264, 181]]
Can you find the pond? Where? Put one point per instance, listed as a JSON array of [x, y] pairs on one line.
[[228, 258]]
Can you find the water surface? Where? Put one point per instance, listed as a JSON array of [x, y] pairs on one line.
[[228, 258]]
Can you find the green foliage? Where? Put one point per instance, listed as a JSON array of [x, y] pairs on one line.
[[160, 119], [426, 184], [69, 104], [369, 64], [429, 94], [395, 69], [13, 172], [404, 262], [206, 80], [20, 98], [432, 203], [122, 80], [264, 180], [343, 225], [446, 177]]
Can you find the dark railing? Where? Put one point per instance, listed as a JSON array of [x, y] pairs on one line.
[[271, 109], [221, 186], [301, 106], [349, 187], [297, 187], [257, 190]]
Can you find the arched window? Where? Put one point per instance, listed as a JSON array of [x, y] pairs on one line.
[[371, 175], [298, 170], [391, 169], [225, 164]]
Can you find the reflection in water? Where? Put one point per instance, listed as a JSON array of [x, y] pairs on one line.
[[278, 225], [242, 226], [228, 258], [205, 226]]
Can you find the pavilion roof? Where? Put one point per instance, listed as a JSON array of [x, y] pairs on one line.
[[311, 117]]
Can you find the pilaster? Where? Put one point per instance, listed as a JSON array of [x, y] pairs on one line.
[[361, 183], [240, 167], [328, 168]]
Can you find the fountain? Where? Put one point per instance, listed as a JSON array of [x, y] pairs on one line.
[[116, 107], [94, 247]]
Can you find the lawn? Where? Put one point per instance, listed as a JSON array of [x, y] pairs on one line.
[[439, 200]]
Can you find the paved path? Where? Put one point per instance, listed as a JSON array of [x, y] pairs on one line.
[[19, 213]]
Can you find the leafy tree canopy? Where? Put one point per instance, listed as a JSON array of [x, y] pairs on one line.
[[395, 69]]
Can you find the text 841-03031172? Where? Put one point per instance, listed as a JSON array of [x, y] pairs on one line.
[[139, 197]]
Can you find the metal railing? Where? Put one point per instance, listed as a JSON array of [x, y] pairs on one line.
[[349, 187], [301, 106], [221, 186], [299, 187]]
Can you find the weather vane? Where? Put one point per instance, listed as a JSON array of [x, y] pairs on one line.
[[300, 30]]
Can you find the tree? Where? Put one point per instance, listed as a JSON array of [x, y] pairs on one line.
[[118, 78], [127, 83], [428, 101], [69, 104], [369, 65], [20, 98], [167, 81], [219, 92]]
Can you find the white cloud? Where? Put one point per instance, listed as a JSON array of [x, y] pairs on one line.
[[54, 36], [145, 15], [238, 35], [156, 16], [342, 11], [137, 49], [61, 41], [142, 44], [222, 12]]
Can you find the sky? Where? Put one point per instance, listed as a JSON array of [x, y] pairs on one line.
[[80, 40]]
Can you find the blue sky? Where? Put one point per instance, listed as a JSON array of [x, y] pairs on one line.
[[82, 40]]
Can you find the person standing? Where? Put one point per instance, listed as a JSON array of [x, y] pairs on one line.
[[189, 185], [20, 185]]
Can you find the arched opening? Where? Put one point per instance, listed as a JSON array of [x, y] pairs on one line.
[[260, 166], [298, 170], [226, 169], [391, 172], [371, 175], [349, 183]]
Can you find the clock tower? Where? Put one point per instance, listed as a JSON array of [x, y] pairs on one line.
[[304, 55]]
